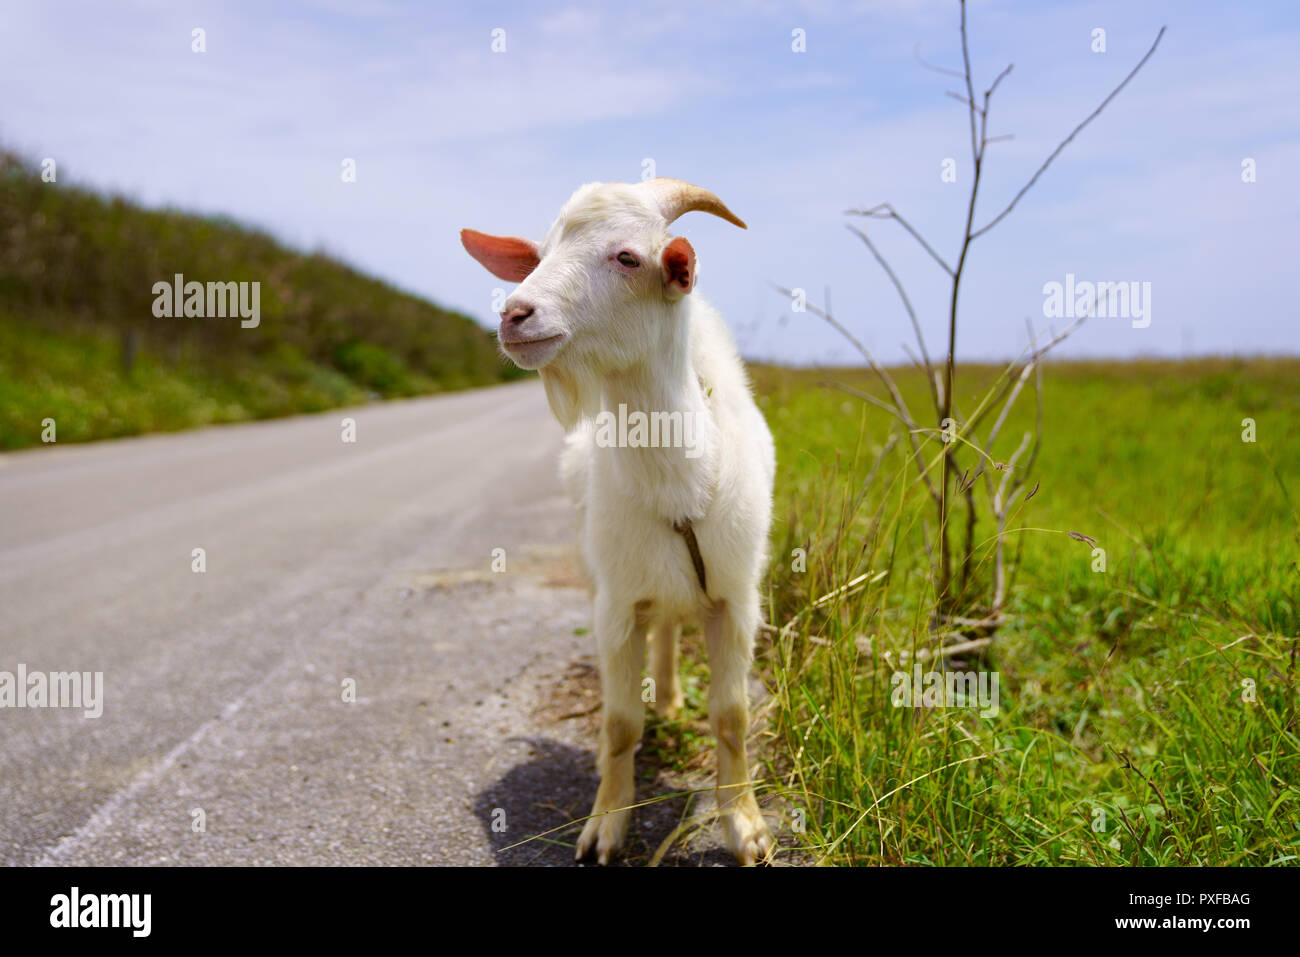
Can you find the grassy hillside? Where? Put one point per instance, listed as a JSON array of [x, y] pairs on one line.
[[77, 272], [1150, 711]]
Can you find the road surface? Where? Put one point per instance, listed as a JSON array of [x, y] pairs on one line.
[[227, 734]]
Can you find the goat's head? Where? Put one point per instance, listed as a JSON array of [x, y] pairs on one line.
[[597, 294]]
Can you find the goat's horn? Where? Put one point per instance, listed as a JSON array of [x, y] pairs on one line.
[[674, 197]]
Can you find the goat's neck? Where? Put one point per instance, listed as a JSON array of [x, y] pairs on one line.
[[666, 479]]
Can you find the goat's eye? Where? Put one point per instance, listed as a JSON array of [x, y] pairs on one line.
[[628, 260]]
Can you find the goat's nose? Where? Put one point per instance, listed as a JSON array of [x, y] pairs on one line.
[[516, 313]]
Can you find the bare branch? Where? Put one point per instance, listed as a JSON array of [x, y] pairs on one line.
[[1065, 142], [945, 407], [1001, 76], [964, 101], [913, 358], [890, 213], [1038, 423], [1001, 396], [1011, 400], [899, 402], [1001, 507], [970, 89], [907, 303], [968, 549], [1011, 469], [866, 397], [916, 52]]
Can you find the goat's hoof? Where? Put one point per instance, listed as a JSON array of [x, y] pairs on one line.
[[747, 835], [603, 834]]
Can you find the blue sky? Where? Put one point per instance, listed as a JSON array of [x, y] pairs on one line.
[[446, 133]]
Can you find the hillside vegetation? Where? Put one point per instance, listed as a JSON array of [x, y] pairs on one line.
[[79, 341]]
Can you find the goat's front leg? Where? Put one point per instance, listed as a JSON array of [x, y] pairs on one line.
[[729, 634], [620, 640]]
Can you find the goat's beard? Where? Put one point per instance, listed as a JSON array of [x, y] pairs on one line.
[[572, 389], [562, 393]]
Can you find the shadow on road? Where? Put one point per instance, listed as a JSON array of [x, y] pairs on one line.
[[557, 786]]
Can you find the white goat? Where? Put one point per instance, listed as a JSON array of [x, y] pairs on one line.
[[672, 532]]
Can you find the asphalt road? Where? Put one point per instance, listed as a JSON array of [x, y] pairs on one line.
[[326, 563]]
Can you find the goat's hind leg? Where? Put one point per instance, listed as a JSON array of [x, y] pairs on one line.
[[620, 640], [667, 701], [729, 633]]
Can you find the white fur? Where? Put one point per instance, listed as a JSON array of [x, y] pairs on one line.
[[619, 336]]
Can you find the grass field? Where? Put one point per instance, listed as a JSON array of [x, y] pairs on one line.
[[1147, 713]]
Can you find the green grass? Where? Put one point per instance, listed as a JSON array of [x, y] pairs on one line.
[[77, 272], [1147, 713], [75, 378]]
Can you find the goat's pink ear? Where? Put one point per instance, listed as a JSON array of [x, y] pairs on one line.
[[678, 261], [506, 257]]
